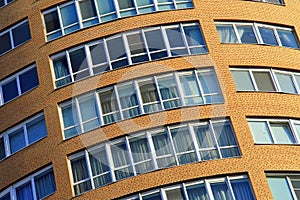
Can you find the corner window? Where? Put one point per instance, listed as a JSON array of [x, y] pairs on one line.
[[154, 149], [14, 36], [137, 97], [256, 33], [37, 186], [18, 84], [73, 15], [274, 131]]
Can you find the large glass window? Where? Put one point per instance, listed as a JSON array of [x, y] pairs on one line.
[[230, 187], [22, 135], [267, 80], [284, 186], [126, 49], [137, 97], [256, 33], [37, 186], [71, 16], [153, 149], [275, 131], [18, 84]]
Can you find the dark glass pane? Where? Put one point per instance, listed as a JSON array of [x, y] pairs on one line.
[[52, 21], [98, 54], [268, 36], [288, 38], [155, 40], [124, 4], [175, 37], [78, 60], [24, 192], [242, 189], [116, 48], [87, 8], [45, 184], [197, 192], [17, 140], [6, 197], [79, 169], [148, 92], [246, 34], [69, 15], [21, 34], [5, 43], [136, 43], [36, 129], [2, 149], [29, 80], [155, 196], [264, 81], [10, 90], [193, 35]]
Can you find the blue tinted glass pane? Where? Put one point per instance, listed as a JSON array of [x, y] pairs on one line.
[[17, 140], [36, 129], [242, 189], [6, 197], [24, 192], [197, 192], [279, 188], [209, 82], [5, 43], [268, 36], [227, 34], [193, 35], [155, 196], [21, 34], [68, 115], [69, 15], [175, 37], [288, 38], [10, 90], [98, 54], [45, 184], [116, 48], [2, 149], [105, 6], [29, 80], [246, 34]]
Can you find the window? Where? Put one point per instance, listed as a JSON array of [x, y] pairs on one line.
[[284, 186], [272, 1], [71, 16], [22, 135], [37, 186], [137, 97], [256, 33], [18, 84], [229, 187], [266, 80], [150, 150], [4, 3], [275, 131], [126, 49], [14, 36]]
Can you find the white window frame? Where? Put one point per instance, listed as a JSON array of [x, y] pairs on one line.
[[6, 3]]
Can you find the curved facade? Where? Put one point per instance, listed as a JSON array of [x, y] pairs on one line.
[[149, 99]]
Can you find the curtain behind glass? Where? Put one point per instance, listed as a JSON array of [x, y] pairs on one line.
[[242, 190], [220, 191], [45, 184], [226, 34], [197, 192], [60, 66], [24, 192]]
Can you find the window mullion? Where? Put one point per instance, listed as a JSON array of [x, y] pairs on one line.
[[158, 92], [291, 187], [116, 4], [180, 89], [18, 85], [99, 108], [110, 161], [33, 189], [230, 188], [166, 41], [253, 80], [257, 33], [293, 129], [155, 5], [11, 39], [172, 144], [130, 155], [69, 65], [89, 59], [275, 81], [78, 13], [1, 95], [271, 132], [277, 36], [97, 11], [107, 54], [6, 145], [25, 135], [208, 189], [212, 131], [118, 101], [183, 36], [89, 168], [60, 20], [127, 49], [146, 44], [139, 97], [195, 72], [79, 115], [152, 149], [236, 33], [196, 145], [293, 78]]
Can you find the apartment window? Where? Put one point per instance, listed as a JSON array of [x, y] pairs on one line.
[[229, 187], [256, 33], [137, 97], [270, 1], [284, 186], [14, 36], [151, 150], [275, 131], [126, 49], [22, 135], [73, 15], [267, 80], [5, 2], [18, 84], [37, 186]]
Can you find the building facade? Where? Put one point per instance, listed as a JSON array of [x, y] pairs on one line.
[[149, 99]]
